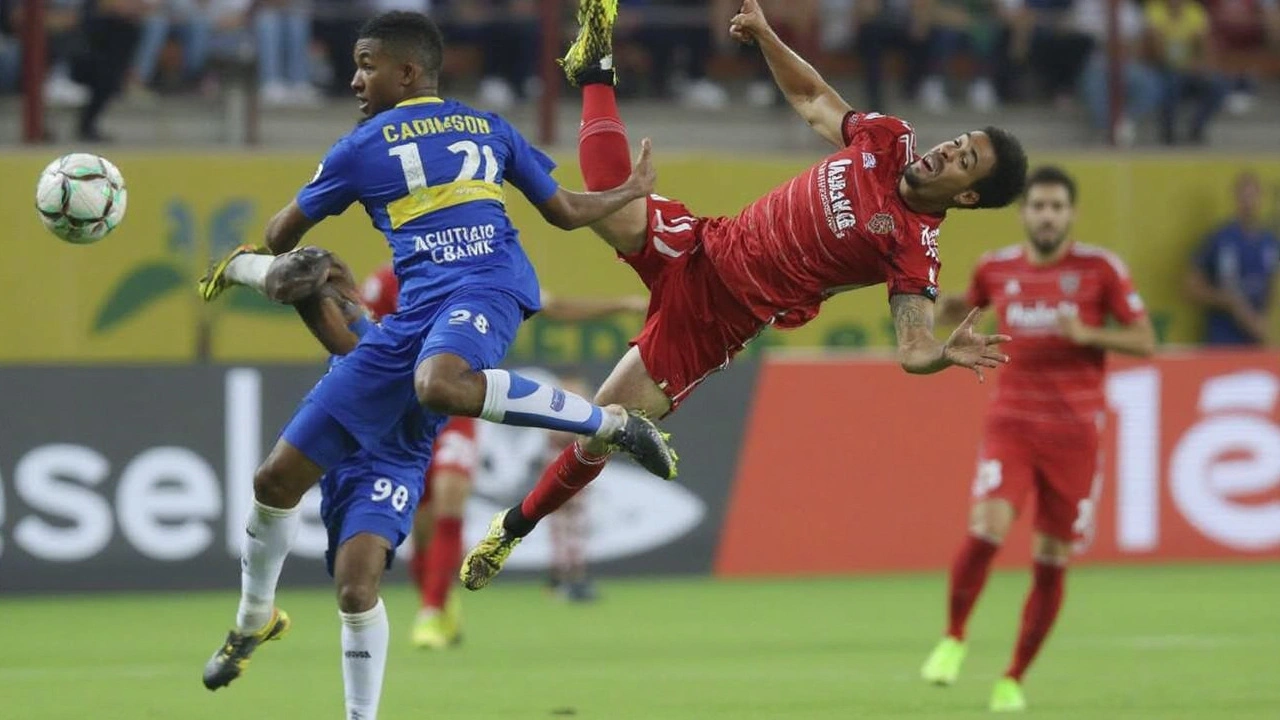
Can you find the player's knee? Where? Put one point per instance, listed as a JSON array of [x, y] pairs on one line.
[[271, 486], [991, 520], [1051, 550], [357, 597], [445, 390]]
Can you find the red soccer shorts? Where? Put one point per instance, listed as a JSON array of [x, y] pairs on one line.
[[695, 325], [1059, 462], [455, 451]]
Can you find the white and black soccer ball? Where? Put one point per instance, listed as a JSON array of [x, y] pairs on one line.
[[81, 198]]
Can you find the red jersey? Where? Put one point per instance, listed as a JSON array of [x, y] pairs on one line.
[[1049, 378], [840, 225], [381, 292]]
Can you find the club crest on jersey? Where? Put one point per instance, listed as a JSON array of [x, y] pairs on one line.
[[1069, 282], [881, 224], [868, 161]]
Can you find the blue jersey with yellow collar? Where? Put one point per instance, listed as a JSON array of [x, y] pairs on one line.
[[431, 173]]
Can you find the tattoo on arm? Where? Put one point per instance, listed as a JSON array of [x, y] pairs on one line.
[[910, 313]]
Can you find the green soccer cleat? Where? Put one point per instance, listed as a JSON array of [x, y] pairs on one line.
[[486, 559], [943, 665], [215, 280], [589, 58], [1007, 696], [647, 445], [442, 629], [230, 661]]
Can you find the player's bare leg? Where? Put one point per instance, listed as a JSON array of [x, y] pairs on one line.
[[357, 573], [447, 384], [439, 622], [629, 386], [1038, 615], [989, 523]]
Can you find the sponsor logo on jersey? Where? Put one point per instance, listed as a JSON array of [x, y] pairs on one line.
[[457, 243], [1038, 316], [881, 224], [1069, 282], [838, 208]]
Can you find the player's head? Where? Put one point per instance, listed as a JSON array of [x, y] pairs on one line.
[[398, 56], [1048, 208], [980, 169], [1248, 197]]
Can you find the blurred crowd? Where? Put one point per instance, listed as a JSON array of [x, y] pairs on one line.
[[1184, 60]]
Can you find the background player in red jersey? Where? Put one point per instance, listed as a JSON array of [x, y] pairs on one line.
[[867, 214], [1054, 296], [437, 527]]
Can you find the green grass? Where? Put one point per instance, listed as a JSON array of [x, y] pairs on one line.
[[1175, 642]]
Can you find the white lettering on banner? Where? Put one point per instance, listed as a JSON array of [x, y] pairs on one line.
[[1203, 483], [52, 479], [1232, 451], [166, 499], [457, 243]]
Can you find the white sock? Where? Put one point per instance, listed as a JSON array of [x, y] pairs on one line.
[[250, 271], [512, 399], [269, 535], [364, 659]]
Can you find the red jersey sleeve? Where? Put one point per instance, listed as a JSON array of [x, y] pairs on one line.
[[455, 449], [978, 295], [1122, 300], [885, 129], [913, 269], [380, 292]]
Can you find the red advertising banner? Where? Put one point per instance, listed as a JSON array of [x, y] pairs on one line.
[[853, 465]]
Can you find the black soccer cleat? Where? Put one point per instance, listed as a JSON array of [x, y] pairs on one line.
[[648, 445], [230, 661]]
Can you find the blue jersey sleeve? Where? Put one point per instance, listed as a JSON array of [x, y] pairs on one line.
[[529, 169], [333, 188], [1206, 258]]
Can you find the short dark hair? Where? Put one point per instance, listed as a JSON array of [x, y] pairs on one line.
[[1008, 176], [1052, 175], [410, 34]]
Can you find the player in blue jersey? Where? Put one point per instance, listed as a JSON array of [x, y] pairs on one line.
[[430, 174]]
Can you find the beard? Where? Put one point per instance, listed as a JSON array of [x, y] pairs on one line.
[[1046, 245]]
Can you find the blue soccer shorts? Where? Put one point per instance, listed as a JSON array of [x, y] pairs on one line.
[[364, 495]]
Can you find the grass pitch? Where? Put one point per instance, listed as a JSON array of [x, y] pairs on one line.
[[1175, 642]]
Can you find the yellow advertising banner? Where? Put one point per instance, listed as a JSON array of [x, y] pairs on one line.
[[132, 296]]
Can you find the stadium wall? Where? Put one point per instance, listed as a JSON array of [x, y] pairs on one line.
[[128, 299], [136, 477]]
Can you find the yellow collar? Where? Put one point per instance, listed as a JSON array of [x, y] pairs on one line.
[[419, 101]]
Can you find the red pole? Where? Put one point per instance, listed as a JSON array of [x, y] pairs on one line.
[[1115, 71], [549, 72], [33, 64]]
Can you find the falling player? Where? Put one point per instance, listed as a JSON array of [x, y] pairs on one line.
[[431, 175], [437, 525], [865, 215], [1054, 295]]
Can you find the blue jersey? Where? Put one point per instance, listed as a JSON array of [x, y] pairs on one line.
[[431, 174], [1247, 262]]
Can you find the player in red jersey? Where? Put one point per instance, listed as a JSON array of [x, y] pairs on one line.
[[1054, 296], [865, 215], [437, 526]]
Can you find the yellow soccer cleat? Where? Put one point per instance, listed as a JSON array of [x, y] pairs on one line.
[[488, 556], [230, 661], [589, 58], [943, 665], [215, 280], [441, 629], [1007, 696]]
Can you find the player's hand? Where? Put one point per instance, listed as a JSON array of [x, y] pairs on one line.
[[749, 23], [970, 349], [643, 174], [1071, 327]]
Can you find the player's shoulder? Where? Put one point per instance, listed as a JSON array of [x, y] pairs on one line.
[[1086, 254], [1002, 256]]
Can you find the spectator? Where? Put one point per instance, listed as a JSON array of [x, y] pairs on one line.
[[1142, 84], [282, 33], [887, 26], [1179, 38], [110, 29], [675, 30], [1234, 271], [191, 20], [1046, 39], [956, 26], [796, 21], [10, 52], [1244, 25], [507, 33]]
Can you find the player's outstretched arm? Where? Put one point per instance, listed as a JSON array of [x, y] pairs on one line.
[[1138, 338], [570, 210], [286, 228], [575, 309], [952, 309], [920, 352], [816, 101]]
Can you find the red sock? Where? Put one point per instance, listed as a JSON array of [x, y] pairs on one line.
[[563, 478], [418, 570], [968, 575], [444, 557], [603, 152], [1037, 616]]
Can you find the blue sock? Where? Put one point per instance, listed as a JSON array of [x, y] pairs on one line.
[[513, 399]]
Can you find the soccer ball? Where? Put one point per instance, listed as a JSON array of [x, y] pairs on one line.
[[81, 198]]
